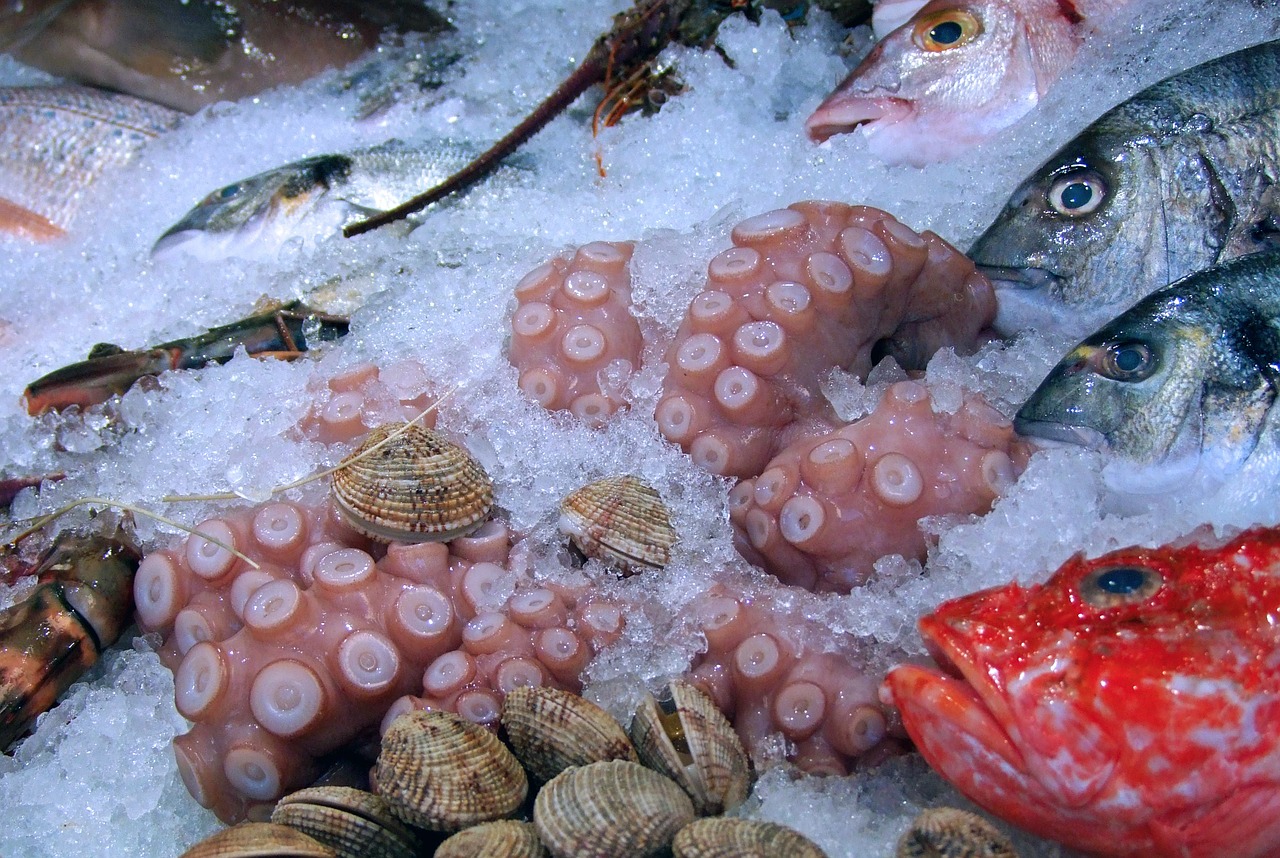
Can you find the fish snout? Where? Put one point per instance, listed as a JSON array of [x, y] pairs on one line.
[[1013, 277], [842, 113], [1056, 434]]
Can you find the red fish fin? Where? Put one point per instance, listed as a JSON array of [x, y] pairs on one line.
[[21, 221], [1245, 823]]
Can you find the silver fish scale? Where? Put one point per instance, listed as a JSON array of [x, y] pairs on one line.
[[383, 176]]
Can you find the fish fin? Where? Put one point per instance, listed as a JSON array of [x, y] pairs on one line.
[[104, 350], [1246, 822], [21, 221]]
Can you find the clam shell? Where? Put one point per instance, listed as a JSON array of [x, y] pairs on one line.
[[418, 487], [607, 809], [688, 739], [729, 837], [259, 840], [551, 730], [442, 772], [505, 838], [948, 832], [352, 822], [620, 521]]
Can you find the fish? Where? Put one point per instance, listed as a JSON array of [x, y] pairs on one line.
[[955, 74], [312, 199], [1129, 706], [58, 141], [186, 54], [1172, 181], [1180, 389]]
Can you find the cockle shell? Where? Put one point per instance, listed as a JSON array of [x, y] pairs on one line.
[[621, 521], [948, 832], [442, 772], [611, 808], [352, 822], [417, 487], [506, 838], [687, 738], [551, 730], [259, 840], [730, 837]]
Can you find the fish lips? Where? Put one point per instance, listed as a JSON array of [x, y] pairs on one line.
[[1048, 433], [841, 113]]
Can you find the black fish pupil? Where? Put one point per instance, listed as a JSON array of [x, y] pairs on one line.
[[1121, 581], [1076, 195], [946, 33], [1127, 360]]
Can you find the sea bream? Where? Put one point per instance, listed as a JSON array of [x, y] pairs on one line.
[[311, 199], [1130, 706], [1174, 180], [1180, 389], [956, 73]]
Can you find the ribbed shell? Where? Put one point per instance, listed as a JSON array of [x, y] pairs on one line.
[[551, 730], [352, 822], [729, 837], [418, 487], [259, 840], [620, 521], [442, 772], [505, 838], [607, 809], [947, 832], [689, 740]]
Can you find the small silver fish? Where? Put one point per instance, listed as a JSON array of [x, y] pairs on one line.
[[1176, 179], [1180, 388], [311, 199]]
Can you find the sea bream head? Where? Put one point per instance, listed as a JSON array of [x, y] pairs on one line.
[[953, 75], [1130, 706], [1179, 390]]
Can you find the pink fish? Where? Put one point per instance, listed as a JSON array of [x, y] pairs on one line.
[[955, 74], [1130, 706]]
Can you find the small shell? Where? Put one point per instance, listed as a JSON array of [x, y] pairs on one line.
[[418, 487], [620, 521], [729, 837], [505, 838], [946, 832], [688, 739], [259, 840], [352, 822], [607, 809], [551, 730]]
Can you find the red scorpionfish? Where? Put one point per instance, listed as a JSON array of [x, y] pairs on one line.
[[1129, 706]]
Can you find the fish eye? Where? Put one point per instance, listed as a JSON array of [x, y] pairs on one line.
[[1127, 360], [222, 195], [1077, 194], [1112, 586], [942, 31]]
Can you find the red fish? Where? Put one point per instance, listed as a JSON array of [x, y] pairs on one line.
[[1129, 706]]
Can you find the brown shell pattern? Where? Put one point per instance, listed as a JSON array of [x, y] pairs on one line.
[[442, 772], [729, 837], [620, 521], [611, 808], [418, 487], [506, 838], [687, 738], [259, 840], [352, 822], [551, 730], [948, 832]]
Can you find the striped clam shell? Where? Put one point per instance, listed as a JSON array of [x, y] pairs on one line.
[[953, 833], [417, 487], [351, 822], [730, 837], [259, 840], [505, 838], [621, 521], [551, 730]]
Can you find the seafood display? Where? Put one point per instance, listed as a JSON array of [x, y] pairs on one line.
[[1176, 179], [1074, 708]]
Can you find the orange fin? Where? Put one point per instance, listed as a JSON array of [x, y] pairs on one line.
[[17, 220]]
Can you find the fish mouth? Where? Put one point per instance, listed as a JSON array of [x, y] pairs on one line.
[[840, 114], [1013, 277], [1051, 434]]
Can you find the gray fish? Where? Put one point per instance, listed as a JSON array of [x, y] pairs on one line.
[[1174, 180], [1180, 389], [310, 199]]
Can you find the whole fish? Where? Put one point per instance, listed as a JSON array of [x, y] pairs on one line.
[[1130, 706], [955, 74], [1180, 388], [58, 141], [1177, 178], [312, 198]]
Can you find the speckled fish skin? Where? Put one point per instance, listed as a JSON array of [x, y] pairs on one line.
[[955, 74], [1180, 388], [312, 198], [1130, 706], [59, 140], [1174, 180]]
